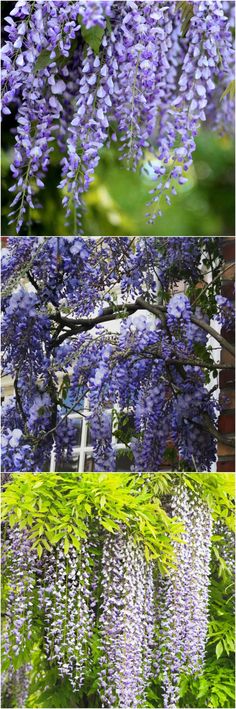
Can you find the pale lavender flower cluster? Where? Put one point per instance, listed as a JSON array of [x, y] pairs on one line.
[[184, 595], [16, 683], [21, 562], [83, 74], [206, 58], [144, 623], [67, 603], [126, 622], [225, 545]]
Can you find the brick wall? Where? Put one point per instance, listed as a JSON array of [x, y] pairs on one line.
[[226, 458]]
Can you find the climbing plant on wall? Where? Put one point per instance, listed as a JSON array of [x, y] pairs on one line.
[[150, 381], [118, 590]]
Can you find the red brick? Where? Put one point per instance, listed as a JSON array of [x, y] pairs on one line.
[[227, 357], [228, 334], [226, 378], [228, 249], [224, 451], [227, 398], [226, 423], [227, 289], [226, 466], [229, 273]]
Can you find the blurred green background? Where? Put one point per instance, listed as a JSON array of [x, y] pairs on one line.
[[116, 201]]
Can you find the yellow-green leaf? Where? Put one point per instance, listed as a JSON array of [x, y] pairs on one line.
[[219, 649], [109, 525], [80, 498], [39, 550], [66, 545], [76, 542]]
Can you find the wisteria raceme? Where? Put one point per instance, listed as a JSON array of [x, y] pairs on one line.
[[81, 75], [58, 300], [226, 546], [127, 622], [69, 617], [15, 683], [105, 594], [184, 595], [19, 614]]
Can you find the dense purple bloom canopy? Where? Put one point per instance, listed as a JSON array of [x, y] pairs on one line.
[[59, 296], [79, 75]]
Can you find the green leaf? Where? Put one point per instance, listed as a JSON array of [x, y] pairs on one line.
[[39, 550], [93, 36], [230, 89], [66, 545], [204, 687], [76, 542], [228, 691], [43, 60], [187, 13], [219, 649], [109, 525], [87, 507], [80, 498], [103, 501], [46, 545]]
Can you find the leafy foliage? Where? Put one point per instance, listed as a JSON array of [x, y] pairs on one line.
[[58, 507]]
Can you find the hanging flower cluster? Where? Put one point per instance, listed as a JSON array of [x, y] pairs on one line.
[[83, 74], [225, 545], [60, 584], [22, 562], [55, 343], [184, 595], [145, 624], [127, 622], [66, 601], [16, 683]]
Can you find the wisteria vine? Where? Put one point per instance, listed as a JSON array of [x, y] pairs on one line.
[[127, 622], [184, 596], [58, 296], [146, 624], [80, 75]]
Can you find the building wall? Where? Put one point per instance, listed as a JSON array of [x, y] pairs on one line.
[[226, 457]]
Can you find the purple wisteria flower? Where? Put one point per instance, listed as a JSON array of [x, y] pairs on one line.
[[58, 298], [184, 595], [81, 75], [101, 593], [127, 622]]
